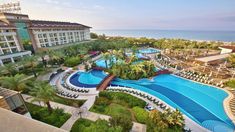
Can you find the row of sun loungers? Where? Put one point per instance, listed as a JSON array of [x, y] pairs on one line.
[[74, 89], [153, 100], [199, 78], [65, 85], [66, 94]]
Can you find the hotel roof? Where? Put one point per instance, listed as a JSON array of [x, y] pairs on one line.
[[5, 93], [212, 58], [56, 24], [4, 24], [229, 47]]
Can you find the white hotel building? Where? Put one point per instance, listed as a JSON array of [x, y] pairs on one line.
[[15, 29], [49, 33], [10, 48]]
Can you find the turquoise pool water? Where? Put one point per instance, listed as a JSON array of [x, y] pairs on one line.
[[87, 79], [149, 51], [201, 103]]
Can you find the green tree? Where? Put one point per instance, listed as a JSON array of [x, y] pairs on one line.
[[43, 92], [107, 57], [55, 57], [8, 69], [231, 59], [122, 121], [16, 82], [94, 35], [32, 62]]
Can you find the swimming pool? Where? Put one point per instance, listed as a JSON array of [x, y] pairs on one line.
[[87, 79], [149, 51], [201, 103]]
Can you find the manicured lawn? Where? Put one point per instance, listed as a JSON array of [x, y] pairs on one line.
[[114, 104], [57, 118], [84, 125], [115, 109]]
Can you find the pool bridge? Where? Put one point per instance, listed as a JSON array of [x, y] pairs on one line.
[[105, 82]]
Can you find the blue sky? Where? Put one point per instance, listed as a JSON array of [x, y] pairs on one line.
[[137, 14]]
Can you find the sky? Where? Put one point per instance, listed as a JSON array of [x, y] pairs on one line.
[[137, 14]]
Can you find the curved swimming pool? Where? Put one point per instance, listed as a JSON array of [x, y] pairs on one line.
[[201, 103], [149, 50], [87, 79]]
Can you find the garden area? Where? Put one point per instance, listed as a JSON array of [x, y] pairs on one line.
[[56, 117], [115, 104], [129, 108]]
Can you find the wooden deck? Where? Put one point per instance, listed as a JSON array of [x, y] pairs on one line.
[[104, 84], [232, 103]]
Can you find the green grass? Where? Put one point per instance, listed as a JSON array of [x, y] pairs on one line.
[[57, 118], [116, 109], [79, 125], [230, 83], [112, 104]]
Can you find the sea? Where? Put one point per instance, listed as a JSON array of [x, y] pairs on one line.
[[225, 36]]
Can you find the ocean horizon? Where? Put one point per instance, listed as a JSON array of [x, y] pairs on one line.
[[225, 36]]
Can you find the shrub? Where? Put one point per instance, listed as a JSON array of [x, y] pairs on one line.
[[72, 61], [122, 121], [56, 118], [230, 83], [141, 115], [129, 99], [84, 125]]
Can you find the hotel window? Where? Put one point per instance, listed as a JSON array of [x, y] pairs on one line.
[[10, 38], [3, 45], [2, 38], [14, 50], [6, 51], [6, 61], [12, 44]]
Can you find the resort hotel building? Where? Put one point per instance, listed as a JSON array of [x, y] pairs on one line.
[[16, 30]]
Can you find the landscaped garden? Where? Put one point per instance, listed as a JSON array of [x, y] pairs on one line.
[[56, 117], [132, 108]]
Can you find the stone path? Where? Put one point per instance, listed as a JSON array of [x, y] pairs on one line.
[[137, 127]]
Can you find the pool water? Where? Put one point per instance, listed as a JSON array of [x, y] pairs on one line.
[[201, 103], [87, 79], [149, 51]]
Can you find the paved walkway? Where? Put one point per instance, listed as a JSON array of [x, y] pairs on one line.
[[137, 127]]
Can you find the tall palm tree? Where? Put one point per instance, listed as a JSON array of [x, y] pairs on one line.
[[43, 92], [174, 118], [8, 69], [32, 62], [16, 82], [107, 57], [42, 54], [55, 56]]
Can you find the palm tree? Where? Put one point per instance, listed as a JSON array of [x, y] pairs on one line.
[[32, 62], [231, 59], [42, 54], [174, 118], [8, 69], [43, 92], [107, 57], [16, 82], [55, 56]]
